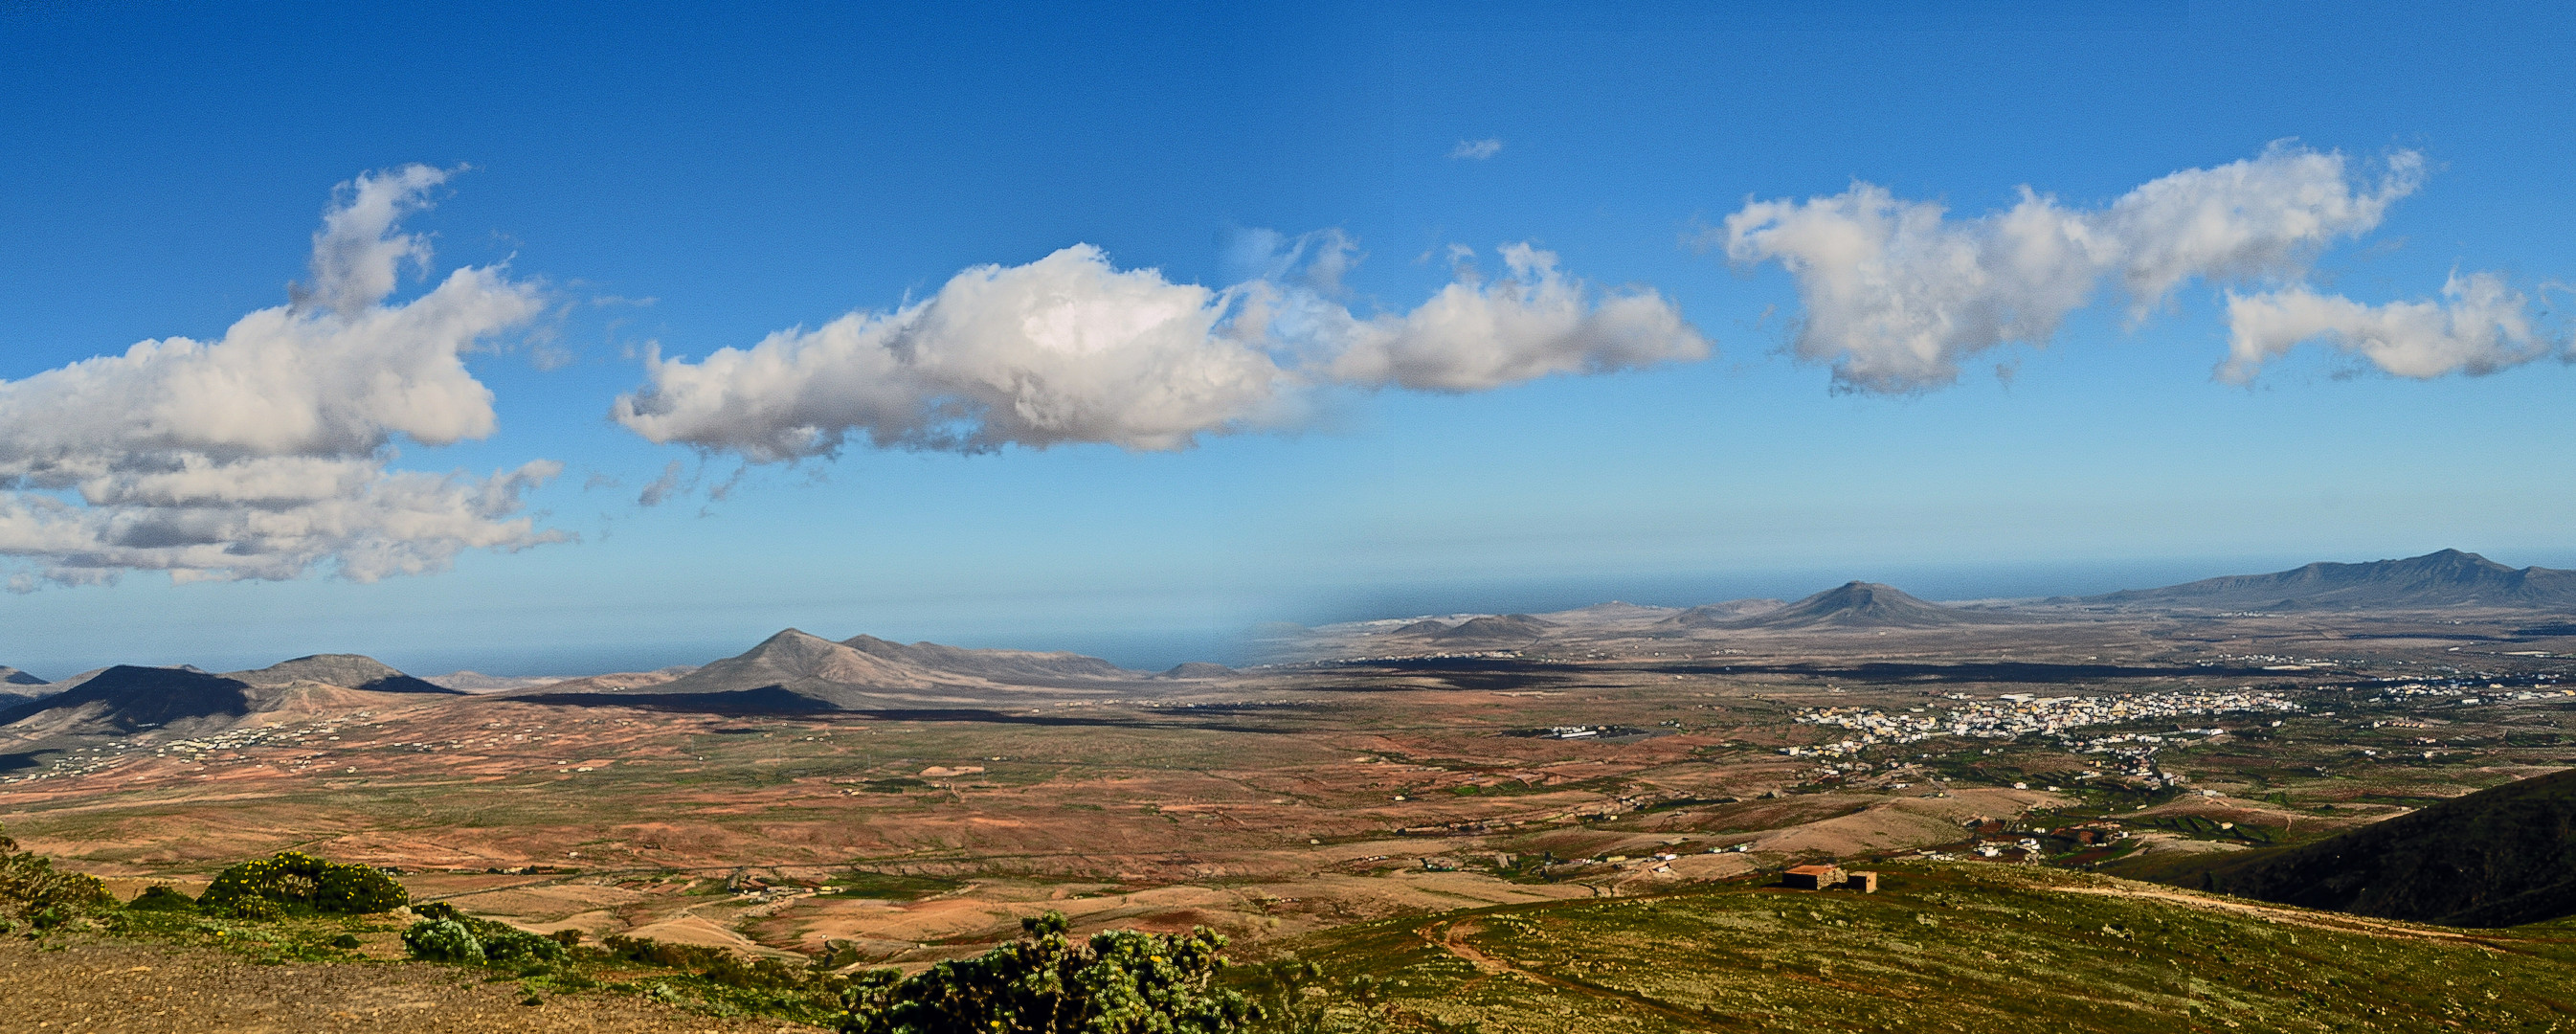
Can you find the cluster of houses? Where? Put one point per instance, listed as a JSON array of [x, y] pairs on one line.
[[2015, 714], [223, 746], [1996, 840], [2470, 692]]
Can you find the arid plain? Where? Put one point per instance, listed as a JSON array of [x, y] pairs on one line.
[[1379, 769]]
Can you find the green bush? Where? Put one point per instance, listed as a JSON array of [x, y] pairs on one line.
[[32, 890], [292, 881], [447, 935], [1118, 982], [443, 940], [161, 897], [506, 944]]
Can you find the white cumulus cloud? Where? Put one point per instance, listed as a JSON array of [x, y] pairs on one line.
[[1477, 150], [1533, 323], [265, 453], [1897, 294], [2481, 325], [1069, 349]]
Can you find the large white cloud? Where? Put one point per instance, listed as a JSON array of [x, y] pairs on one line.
[[2481, 325], [1069, 349], [265, 453], [1897, 295]]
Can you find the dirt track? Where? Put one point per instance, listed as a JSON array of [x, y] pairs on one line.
[[112, 986]]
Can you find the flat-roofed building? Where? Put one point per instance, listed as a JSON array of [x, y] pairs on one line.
[[1813, 877]]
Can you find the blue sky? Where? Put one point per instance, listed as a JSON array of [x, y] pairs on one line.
[[690, 181]]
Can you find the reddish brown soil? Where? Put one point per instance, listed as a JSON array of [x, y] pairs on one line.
[[118, 986]]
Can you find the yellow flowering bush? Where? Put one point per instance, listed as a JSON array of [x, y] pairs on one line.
[[294, 881]]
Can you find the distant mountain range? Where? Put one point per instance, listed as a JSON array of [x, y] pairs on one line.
[[798, 671], [2449, 578], [2498, 857], [793, 670], [127, 699]]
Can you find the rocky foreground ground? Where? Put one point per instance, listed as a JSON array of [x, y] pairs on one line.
[[104, 986]]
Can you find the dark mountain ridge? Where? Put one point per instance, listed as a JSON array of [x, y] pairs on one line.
[[131, 699], [2498, 857], [2449, 578]]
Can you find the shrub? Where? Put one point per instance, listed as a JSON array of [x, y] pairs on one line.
[[346, 942], [295, 881], [506, 944], [1298, 997], [161, 897], [443, 934], [443, 940], [32, 890], [1118, 982]]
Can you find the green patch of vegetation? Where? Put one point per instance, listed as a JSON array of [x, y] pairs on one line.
[[1940, 948], [1116, 982], [2203, 827], [895, 886], [897, 784]]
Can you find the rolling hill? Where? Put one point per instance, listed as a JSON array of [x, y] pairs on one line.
[[796, 671], [1862, 605], [2498, 857], [1493, 631], [1989, 949], [1721, 615], [346, 670], [2449, 578], [12, 677]]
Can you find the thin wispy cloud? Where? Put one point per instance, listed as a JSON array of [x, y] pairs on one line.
[[1477, 150], [265, 454], [1070, 349], [1897, 295]]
